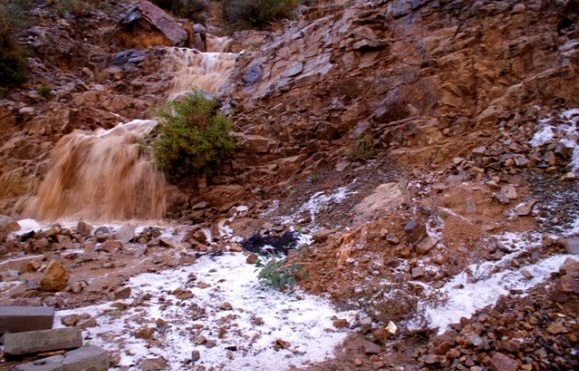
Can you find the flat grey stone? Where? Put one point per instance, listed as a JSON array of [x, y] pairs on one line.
[[24, 318], [42, 341], [53, 363], [82, 359]]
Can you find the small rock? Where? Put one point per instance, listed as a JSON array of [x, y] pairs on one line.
[[226, 306], [507, 193], [571, 244], [87, 323], [381, 335], [502, 362], [195, 356], [145, 333], [370, 348], [417, 272], [528, 275], [556, 328], [200, 236], [161, 323], [153, 364], [392, 239], [110, 246], [340, 323], [70, 320], [281, 344], [123, 293], [252, 259], [26, 111], [102, 234], [525, 208], [182, 294], [200, 205], [425, 245], [415, 231], [235, 247], [431, 359], [124, 234], [569, 176], [55, 277]]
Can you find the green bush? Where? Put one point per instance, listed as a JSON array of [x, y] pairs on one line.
[[279, 274], [194, 138], [13, 67], [257, 13], [190, 9]]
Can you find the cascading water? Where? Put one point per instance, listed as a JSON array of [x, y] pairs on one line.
[[102, 175], [202, 71]]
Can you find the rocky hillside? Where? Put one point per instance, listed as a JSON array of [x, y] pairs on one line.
[[429, 148]]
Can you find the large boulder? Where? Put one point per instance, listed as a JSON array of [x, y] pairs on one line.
[[55, 278], [150, 25]]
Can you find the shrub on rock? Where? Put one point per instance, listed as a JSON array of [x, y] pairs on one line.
[[257, 13], [194, 138]]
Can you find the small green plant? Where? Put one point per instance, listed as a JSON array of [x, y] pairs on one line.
[[279, 273], [363, 149], [194, 138], [242, 14], [44, 90]]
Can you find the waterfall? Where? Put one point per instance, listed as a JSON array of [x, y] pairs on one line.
[[103, 175], [193, 69]]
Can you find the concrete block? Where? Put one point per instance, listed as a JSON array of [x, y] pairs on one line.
[[23, 318], [82, 359], [86, 358], [30, 342], [53, 363]]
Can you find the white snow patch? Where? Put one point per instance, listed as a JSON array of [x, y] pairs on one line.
[[545, 135], [566, 133], [482, 284], [303, 320], [466, 297], [318, 202], [28, 225]]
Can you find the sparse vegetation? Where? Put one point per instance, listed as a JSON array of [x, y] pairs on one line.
[[76, 8], [242, 14], [190, 9], [44, 90], [194, 138], [279, 273], [13, 67], [363, 149]]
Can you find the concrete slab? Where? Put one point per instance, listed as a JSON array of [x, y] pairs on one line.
[[25, 318], [82, 359], [42, 341]]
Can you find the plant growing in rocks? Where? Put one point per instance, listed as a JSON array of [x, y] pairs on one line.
[[251, 13], [13, 67], [363, 149], [191, 9], [194, 138], [279, 273]]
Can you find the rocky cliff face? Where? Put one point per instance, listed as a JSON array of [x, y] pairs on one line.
[[423, 79]]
